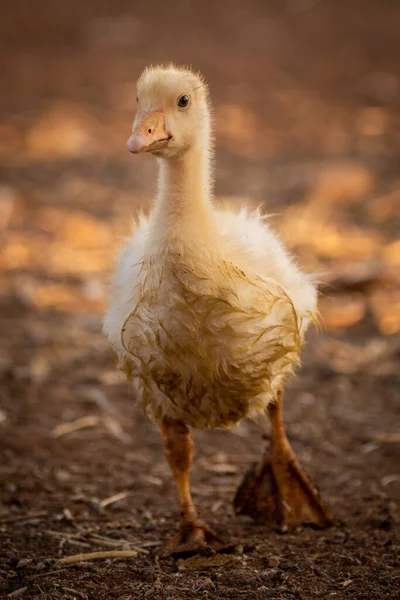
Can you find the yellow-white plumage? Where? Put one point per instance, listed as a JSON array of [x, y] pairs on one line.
[[207, 312]]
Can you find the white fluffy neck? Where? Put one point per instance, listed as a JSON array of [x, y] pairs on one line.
[[183, 204]]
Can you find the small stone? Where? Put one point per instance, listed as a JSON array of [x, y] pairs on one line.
[[287, 566], [269, 592], [272, 574], [67, 515], [232, 549], [14, 560], [3, 416], [24, 562], [273, 561], [206, 584], [62, 475]]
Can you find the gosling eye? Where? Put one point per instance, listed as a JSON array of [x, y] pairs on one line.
[[183, 101]]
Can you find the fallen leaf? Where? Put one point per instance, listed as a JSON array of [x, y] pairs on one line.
[[242, 131], [343, 182], [385, 207], [372, 121], [344, 357], [385, 305], [84, 231], [200, 563], [340, 312], [391, 254], [63, 131]]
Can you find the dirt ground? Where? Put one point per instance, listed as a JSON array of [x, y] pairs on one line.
[[307, 115]]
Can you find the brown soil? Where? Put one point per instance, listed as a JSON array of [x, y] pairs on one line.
[[307, 97]]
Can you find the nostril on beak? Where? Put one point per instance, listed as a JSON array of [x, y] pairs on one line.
[[149, 131]]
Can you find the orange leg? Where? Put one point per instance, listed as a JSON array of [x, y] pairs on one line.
[[277, 490], [193, 534]]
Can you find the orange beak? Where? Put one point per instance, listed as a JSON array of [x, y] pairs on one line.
[[149, 133]]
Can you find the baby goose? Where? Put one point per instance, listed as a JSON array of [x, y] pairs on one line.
[[207, 312]]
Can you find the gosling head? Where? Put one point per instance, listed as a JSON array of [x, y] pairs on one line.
[[172, 112]]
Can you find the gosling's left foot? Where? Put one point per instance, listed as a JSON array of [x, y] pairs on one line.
[[194, 537]]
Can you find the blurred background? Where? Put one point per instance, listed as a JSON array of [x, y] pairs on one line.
[[307, 118]]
